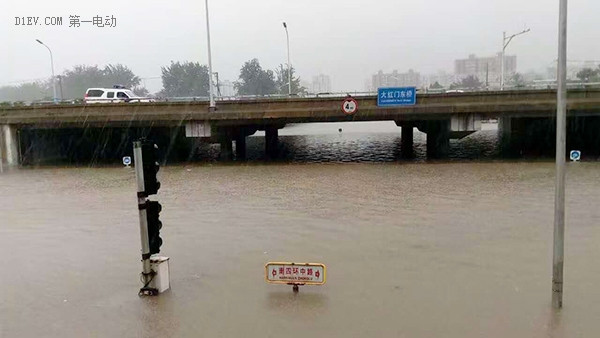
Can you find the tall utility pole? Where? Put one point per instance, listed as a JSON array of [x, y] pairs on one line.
[[289, 63], [54, 98], [559, 196], [505, 42], [211, 90]]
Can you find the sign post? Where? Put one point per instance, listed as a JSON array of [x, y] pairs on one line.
[[139, 174], [155, 273], [559, 195]]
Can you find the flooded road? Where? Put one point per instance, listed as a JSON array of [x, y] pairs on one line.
[[413, 249]]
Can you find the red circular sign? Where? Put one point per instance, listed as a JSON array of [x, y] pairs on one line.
[[349, 106]]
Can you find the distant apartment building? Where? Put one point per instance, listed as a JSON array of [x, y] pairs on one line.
[[443, 78], [487, 69], [321, 84], [396, 79]]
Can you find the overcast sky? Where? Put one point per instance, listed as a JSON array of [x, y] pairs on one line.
[[346, 39]]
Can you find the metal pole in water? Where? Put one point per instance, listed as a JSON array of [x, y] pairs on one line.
[[211, 90], [502, 62], [288, 57], [559, 197], [139, 174], [2, 141]]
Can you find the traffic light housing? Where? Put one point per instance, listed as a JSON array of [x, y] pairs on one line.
[[151, 167], [153, 209]]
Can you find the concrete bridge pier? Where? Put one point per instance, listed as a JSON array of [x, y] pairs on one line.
[[438, 138], [406, 139], [226, 148], [271, 141], [9, 146], [240, 146], [512, 132]]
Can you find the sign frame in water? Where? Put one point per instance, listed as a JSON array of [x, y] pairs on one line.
[[299, 273]]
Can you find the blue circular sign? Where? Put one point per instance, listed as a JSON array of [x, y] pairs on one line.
[[126, 160], [575, 155]]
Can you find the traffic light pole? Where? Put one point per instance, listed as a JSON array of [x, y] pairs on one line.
[[139, 174]]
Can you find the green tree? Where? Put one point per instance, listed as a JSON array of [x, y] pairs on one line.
[[469, 82], [281, 74], [253, 80], [517, 80], [26, 92], [436, 85], [185, 79], [589, 75], [76, 81], [119, 74]]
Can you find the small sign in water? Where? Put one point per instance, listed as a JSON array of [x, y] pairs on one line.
[[295, 273], [575, 155], [127, 161]]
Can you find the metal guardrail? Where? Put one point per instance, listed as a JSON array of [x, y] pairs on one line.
[[540, 85]]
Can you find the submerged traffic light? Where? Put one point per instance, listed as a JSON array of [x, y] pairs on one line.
[[153, 209], [151, 167]]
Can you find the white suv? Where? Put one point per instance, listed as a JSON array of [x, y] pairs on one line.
[[113, 95]]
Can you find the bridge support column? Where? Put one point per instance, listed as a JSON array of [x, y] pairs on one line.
[[406, 140], [271, 136], [226, 149], [438, 138], [512, 132], [10, 145], [240, 146]]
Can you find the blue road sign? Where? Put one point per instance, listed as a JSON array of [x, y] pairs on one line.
[[126, 160], [396, 96], [575, 155]]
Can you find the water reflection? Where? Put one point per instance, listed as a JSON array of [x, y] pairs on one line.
[[361, 147], [303, 303]]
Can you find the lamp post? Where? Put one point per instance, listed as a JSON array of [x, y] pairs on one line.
[[54, 98], [289, 64], [559, 196], [211, 90], [505, 41]]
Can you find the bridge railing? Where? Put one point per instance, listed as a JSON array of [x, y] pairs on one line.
[[536, 85]]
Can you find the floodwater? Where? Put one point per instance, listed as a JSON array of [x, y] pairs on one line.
[[455, 248]]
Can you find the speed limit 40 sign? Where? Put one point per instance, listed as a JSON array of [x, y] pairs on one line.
[[349, 106]]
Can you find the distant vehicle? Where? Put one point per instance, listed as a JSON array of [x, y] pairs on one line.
[[117, 94]]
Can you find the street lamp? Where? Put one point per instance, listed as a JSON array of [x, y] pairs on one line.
[[559, 192], [211, 90], [289, 64], [505, 42], [52, 66]]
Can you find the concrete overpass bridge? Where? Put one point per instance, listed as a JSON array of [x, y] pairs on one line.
[[27, 130]]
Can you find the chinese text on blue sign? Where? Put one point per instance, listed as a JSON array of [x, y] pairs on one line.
[[396, 96]]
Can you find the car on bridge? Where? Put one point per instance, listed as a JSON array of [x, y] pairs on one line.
[[117, 94]]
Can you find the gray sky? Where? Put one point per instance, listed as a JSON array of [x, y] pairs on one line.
[[346, 39]]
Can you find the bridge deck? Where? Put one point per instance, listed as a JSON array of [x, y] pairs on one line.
[[541, 103]]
